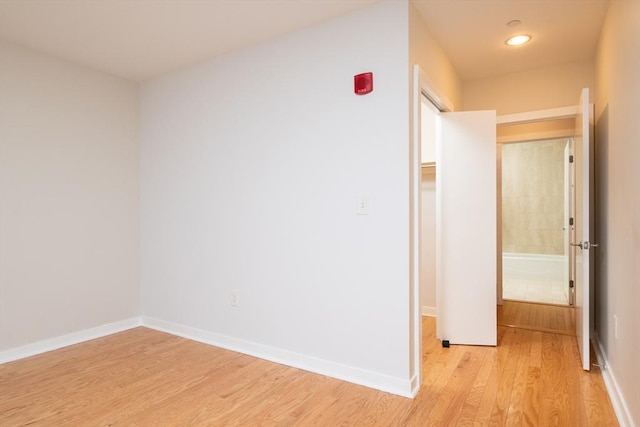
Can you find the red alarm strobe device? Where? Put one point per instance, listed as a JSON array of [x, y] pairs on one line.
[[363, 83]]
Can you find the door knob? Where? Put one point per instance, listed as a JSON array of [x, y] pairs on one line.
[[585, 245]]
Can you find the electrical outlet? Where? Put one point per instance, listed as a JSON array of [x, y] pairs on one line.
[[615, 326], [234, 299]]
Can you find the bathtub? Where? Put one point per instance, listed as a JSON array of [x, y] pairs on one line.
[[539, 267], [535, 278]]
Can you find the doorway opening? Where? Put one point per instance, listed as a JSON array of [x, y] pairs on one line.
[[576, 124], [465, 292], [536, 205]]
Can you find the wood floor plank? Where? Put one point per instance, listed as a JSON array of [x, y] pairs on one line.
[[531, 409], [471, 405], [488, 402], [553, 376], [518, 390], [148, 378], [454, 394], [444, 362], [533, 390], [506, 377]]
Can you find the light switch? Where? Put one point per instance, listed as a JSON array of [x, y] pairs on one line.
[[362, 206]]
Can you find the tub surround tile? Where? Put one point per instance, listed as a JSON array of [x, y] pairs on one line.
[[533, 286]]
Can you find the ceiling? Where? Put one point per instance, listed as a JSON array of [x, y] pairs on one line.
[[473, 32], [141, 39]]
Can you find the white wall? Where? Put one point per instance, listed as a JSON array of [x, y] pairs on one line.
[[251, 167], [618, 199], [69, 244]]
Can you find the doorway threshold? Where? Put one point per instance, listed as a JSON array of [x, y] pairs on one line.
[[543, 317]]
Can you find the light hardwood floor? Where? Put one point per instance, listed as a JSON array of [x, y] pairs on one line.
[[538, 317], [148, 378]]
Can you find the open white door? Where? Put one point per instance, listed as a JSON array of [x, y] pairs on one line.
[[584, 220], [466, 228]]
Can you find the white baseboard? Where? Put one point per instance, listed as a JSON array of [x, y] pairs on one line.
[[415, 385], [620, 406], [69, 339], [350, 374], [428, 311]]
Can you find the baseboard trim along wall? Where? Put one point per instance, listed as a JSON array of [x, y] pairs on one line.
[[405, 388], [69, 339], [350, 374], [415, 385], [428, 311], [620, 406]]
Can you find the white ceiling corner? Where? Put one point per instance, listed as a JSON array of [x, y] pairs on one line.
[[141, 39]]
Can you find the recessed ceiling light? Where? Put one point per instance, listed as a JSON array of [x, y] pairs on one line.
[[514, 23], [518, 40]]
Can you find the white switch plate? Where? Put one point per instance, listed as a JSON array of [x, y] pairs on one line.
[[362, 206], [234, 298]]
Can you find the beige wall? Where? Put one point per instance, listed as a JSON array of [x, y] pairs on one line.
[[538, 89], [618, 198], [533, 197], [426, 52], [548, 129], [68, 198]]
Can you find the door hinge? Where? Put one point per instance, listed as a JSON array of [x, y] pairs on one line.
[[571, 159], [570, 221], [571, 284]]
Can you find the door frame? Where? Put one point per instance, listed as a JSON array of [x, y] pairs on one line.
[[568, 183], [421, 85], [536, 116], [585, 227]]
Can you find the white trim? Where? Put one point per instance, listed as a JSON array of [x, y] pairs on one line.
[[499, 264], [428, 311], [415, 227], [620, 406], [536, 136], [537, 116], [399, 386], [532, 256], [438, 215], [415, 385], [69, 339]]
